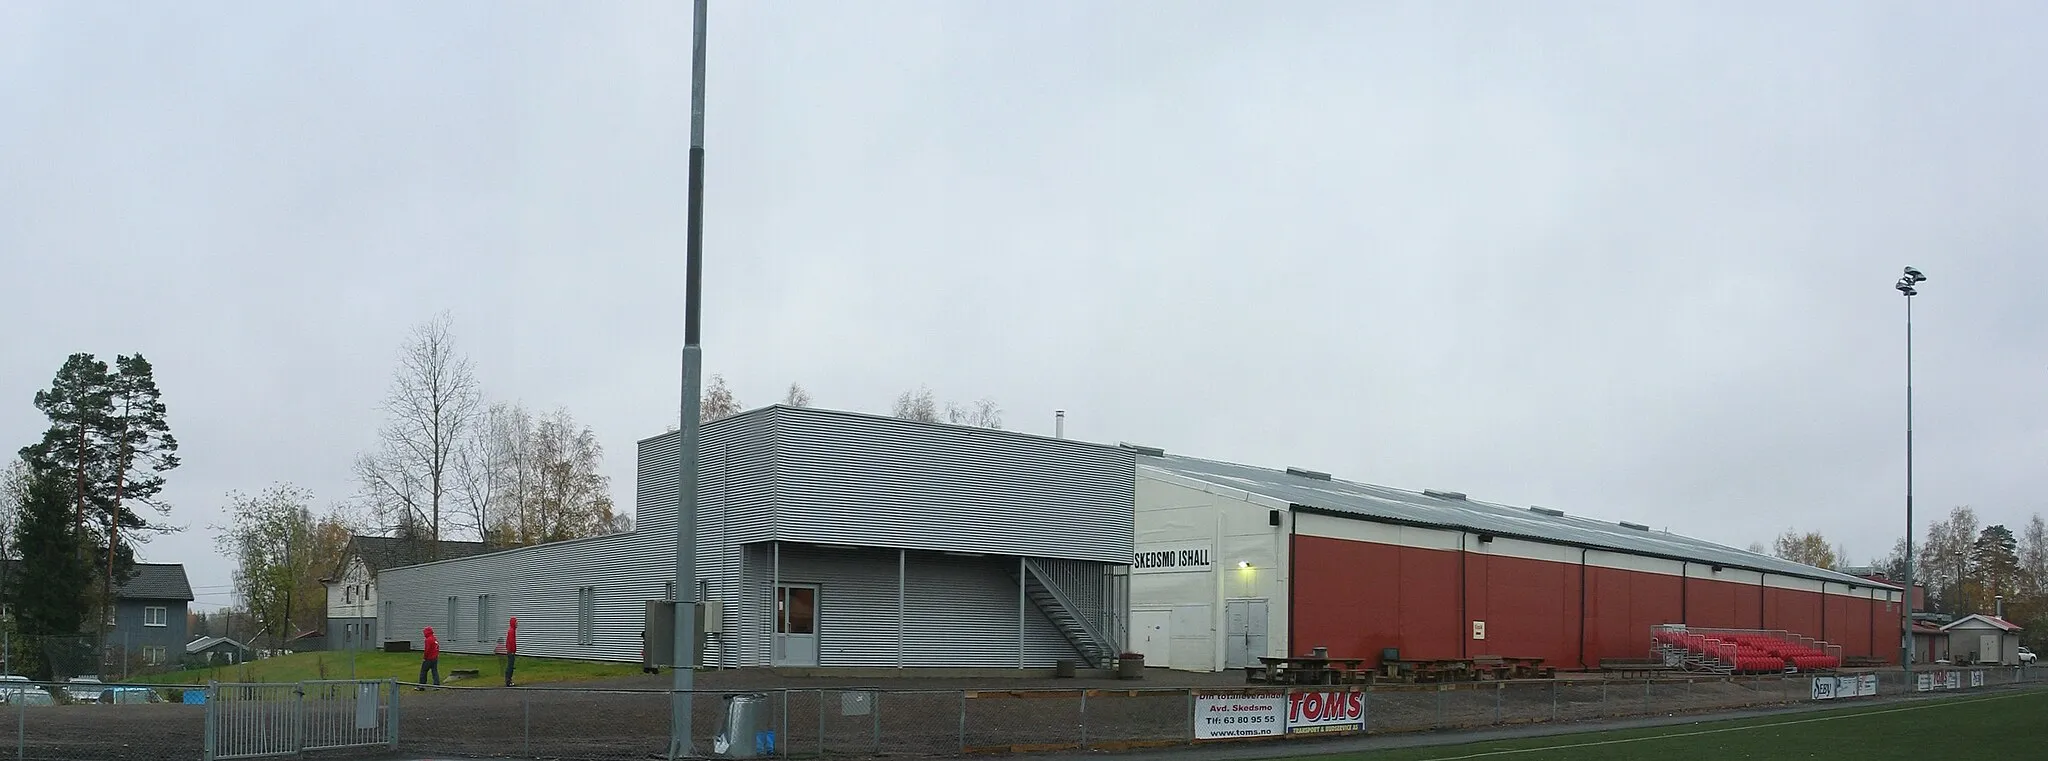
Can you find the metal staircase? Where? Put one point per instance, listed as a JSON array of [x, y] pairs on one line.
[[1094, 646]]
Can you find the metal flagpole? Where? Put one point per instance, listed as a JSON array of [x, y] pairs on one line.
[[681, 742]]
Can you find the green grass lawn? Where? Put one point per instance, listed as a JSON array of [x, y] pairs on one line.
[[299, 667], [1999, 725]]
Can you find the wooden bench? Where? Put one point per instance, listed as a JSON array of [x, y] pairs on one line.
[[1633, 667]]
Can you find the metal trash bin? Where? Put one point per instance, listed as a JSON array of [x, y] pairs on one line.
[[742, 734]]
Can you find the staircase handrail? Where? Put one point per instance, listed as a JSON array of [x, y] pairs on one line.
[[1060, 596]]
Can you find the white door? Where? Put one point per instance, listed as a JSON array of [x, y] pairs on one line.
[[796, 625], [1987, 648], [1152, 635], [1244, 633]]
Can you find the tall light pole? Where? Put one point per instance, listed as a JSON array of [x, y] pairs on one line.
[[680, 742], [1907, 286]]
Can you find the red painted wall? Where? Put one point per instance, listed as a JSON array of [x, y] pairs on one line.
[[1356, 598]]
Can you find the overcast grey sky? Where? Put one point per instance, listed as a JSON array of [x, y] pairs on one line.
[[1630, 260]]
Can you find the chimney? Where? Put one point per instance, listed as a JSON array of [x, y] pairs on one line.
[[1999, 603], [1059, 424]]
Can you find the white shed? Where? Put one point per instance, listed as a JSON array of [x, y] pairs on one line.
[[1981, 639]]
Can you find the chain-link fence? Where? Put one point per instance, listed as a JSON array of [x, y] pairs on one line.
[[82, 719]]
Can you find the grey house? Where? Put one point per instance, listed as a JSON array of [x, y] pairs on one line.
[[148, 621], [352, 599], [149, 616]]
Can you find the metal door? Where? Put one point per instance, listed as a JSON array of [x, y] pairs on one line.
[[1152, 635], [1244, 632], [796, 625], [1987, 649]]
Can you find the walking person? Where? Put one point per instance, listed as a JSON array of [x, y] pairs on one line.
[[511, 647], [430, 662]]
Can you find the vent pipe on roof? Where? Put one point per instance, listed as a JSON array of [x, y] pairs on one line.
[[1305, 473], [1999, 601], [1444, 494], [1059, 424]]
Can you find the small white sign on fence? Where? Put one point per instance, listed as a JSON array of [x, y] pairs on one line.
[[1219, 717], [1824, 688], [366, 705], [1976, 679]]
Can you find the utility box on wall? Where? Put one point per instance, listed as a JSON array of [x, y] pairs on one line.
[[660, 628]]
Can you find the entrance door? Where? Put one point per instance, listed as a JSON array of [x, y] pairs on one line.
[[1151, 634], [796, 625], [1245, 633], [1987, 649]]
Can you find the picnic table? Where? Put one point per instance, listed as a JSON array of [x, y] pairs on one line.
[[1306, 669]]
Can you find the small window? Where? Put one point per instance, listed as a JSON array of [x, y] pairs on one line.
[[483, 617], [586, 615], [348, 595], [153, 654], [156, 615], [454, 606]]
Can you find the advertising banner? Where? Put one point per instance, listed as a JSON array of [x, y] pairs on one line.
[[1222, 717], [1823, 688], [1867, 685], [1976, 679], [1311, 711]]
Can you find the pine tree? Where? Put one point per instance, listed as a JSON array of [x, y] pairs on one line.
[[48, 590], [76, 404], [138, 439]]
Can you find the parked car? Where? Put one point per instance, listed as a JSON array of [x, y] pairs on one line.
[[2026, 656]]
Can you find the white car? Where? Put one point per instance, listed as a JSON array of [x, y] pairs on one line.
[[2026, 656]]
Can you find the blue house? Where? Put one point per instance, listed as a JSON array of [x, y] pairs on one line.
[[149, 622]]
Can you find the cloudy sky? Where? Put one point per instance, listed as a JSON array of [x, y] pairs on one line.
[[1630, 260]]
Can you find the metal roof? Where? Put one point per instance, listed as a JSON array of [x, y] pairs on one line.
[[1320, 492]]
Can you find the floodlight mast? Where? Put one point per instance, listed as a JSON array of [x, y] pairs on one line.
[[1907, 285], [681, 744]]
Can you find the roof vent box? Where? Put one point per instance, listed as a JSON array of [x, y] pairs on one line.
[[1142, 449], [1547, 511], [1636, 526], [1306, 473], [1443, 494]]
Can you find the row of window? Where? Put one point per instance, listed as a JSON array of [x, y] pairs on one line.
[[586, 614], [153, 615]]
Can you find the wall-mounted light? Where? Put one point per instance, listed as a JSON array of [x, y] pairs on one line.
[[1485, 538], [1717, 569], [1244, 564]]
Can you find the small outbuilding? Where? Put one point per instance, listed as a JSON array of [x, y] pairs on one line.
[[1985, 640], [215, 651]]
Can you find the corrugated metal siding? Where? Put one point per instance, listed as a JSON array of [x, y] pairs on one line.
[[825, 468], [1367, 500], [867, 480]]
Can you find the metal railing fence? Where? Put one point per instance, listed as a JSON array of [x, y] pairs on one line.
[[223, 721]]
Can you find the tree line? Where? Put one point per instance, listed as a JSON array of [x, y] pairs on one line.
[[1965, 567]]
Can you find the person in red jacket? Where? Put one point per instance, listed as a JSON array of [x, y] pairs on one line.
[[431, 662], [511, 647]]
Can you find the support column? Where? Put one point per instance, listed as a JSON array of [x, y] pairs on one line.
[[902, 557], [781, 621], [1022, 579]]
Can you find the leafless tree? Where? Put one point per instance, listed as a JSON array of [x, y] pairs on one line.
[[917, 404], [719, 401], [491, 467], [432, 405], [797, 396]]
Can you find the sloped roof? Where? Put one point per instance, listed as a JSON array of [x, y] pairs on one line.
[[203, 643], [382, 552], [1455, 511], [157, 581], [152, 581], [1992, 620]]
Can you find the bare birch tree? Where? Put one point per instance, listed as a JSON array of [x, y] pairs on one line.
[[491, 467], [797, 396], [917, 404], [719, 401], [432, 405], [922, 405]]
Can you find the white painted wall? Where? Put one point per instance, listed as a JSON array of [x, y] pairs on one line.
[[354, 594], [1177, 610]]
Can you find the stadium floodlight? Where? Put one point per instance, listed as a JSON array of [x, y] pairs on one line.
[[1907, 285]]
